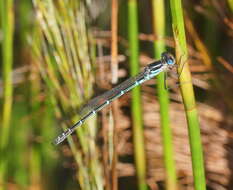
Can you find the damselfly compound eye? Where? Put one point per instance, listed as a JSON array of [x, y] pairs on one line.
[[168, 58], [170, 62]]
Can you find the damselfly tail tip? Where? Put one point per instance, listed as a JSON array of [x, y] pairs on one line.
[[58, 140]]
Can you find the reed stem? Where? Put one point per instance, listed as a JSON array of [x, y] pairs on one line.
[[7, 27], [138, 136], [188, 95], [163, 96]]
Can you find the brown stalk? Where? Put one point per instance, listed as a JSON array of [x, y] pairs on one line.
[[114, 66]]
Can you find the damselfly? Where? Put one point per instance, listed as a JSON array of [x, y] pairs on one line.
[[166, 63]]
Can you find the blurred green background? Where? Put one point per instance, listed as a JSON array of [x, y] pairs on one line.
[[56, 55]]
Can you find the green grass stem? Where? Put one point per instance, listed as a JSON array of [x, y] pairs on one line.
[[7, 29], [138, 136], [188, 95], [163, 96]]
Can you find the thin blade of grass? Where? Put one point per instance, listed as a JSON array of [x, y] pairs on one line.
[[188, 95], [7, 29], [163, 96], [138, 136]]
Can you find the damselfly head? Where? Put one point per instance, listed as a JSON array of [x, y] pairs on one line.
[[166, 62], [168, 59]]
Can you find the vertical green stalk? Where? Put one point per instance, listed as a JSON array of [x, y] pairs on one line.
[[163, 96], [188, 95], [138, 137], [7, 27]]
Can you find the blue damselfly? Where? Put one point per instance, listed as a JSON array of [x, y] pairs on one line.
[[166, 63]]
